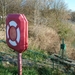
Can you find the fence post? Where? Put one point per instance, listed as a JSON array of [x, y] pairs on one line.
[[63, 48]]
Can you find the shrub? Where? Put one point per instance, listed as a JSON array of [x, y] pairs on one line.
[[44, 38]]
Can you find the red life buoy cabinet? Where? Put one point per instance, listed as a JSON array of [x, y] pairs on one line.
[[17, 32]]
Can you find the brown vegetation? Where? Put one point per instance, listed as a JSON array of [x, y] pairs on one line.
[[44, 38], [47, 24]]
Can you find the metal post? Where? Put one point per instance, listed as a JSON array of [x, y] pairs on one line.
[[62, 48], [62, 54], [19, 63]]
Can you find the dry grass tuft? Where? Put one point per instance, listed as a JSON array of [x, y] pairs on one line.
[[2, 35], [45, 38]]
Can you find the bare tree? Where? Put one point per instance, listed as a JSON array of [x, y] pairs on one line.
[[9, 6], [73, 16], [59, 8]]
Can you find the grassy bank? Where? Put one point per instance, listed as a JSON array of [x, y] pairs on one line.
[[30, 71]]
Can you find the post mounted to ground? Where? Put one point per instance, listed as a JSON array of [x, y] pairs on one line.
[[17, 35], [19, 63], [63, 47]]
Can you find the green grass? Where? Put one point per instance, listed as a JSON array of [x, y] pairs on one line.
[[29, 71], [35, 56], [8, 70]]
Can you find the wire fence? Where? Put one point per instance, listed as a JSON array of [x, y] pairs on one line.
[[37, 58]]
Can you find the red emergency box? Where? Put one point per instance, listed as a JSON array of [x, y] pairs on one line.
[[17, 32]]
